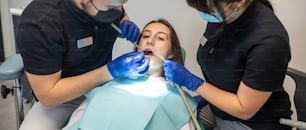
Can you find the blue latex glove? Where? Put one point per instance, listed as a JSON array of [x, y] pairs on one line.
[[201, 102], [132, 64], [129, 30], [178, 74]]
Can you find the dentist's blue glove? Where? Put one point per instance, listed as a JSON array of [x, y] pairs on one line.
[[178, 74], [132, 64], [129, 30]]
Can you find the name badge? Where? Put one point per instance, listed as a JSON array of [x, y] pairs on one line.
[[203, 40], [84, 42]]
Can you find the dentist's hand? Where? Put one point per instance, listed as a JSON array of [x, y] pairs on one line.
[[132, 64], [178, 74], [129, 30]]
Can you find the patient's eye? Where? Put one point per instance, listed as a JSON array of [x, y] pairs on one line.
[[145, 36], [162, 37]]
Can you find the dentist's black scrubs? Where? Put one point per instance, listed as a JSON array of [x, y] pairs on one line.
[[56, 35]]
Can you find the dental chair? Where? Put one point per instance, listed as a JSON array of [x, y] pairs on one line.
[[12, 69], [299, 96]]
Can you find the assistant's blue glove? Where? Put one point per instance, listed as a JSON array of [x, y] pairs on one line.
[[132, 64], [129, 30], [201, 102], [178, 74]]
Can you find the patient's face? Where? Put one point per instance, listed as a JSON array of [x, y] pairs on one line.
[[155, 42]]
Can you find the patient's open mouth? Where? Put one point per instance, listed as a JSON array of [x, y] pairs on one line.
[[148, 52]]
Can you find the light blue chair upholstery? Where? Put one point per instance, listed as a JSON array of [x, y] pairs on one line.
[[12, 69]]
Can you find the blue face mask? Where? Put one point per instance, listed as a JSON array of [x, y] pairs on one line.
[[212, 18], [216, 17]]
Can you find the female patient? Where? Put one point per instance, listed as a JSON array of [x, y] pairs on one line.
[[139, 103]]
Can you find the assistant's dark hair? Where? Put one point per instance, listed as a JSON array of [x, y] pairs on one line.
[[267, 3]]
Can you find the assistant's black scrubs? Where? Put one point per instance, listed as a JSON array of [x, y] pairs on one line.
[[254, 50]]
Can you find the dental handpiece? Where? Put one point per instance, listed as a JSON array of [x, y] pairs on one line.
[[183, 96], [119, 31]]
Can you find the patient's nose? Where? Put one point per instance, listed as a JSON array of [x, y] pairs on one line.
[[149, 42]]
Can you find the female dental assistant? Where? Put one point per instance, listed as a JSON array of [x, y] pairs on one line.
[[244, 54], [66, 46]]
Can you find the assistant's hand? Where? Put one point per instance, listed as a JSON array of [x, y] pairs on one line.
[[178, 74], [129, 30], [201, 102], [132, 64]]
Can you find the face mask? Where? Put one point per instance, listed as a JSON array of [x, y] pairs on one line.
[[108, 15], [212, 18], [216, 17]]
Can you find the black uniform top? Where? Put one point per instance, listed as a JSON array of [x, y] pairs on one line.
[[255, 50], [55, 35]]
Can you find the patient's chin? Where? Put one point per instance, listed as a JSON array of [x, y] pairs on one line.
[[155, 69]]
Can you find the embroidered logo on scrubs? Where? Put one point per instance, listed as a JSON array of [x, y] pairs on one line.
[[203, 40], [84, 42]]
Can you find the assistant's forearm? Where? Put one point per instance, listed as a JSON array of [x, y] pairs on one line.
[[226, 101]]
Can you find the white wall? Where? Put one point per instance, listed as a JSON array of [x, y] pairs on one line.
[[292, 14]]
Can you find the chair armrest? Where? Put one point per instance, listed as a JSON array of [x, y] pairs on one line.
[[11, 68], [296, 124]]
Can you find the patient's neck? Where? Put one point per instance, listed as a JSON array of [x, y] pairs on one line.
[[156, 72]]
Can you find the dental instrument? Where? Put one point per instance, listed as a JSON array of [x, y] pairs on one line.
[[119, 31], [183, 96]]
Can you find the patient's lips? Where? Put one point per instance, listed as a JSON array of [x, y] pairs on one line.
[[148, 52], [154, 65]]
